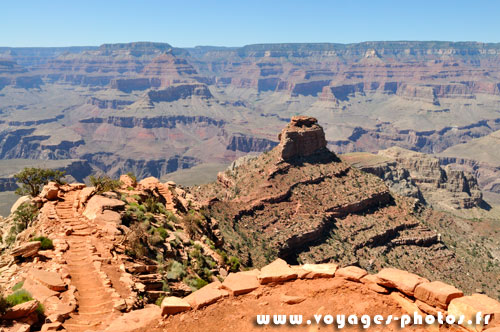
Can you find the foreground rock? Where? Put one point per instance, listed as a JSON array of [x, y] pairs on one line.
[[25, 250], [21, 310], [241, 283], [404, 281], [135, 320], [469, 306], [173, 305], [98, 204], [437, 293], [277, 271], [206, 295]]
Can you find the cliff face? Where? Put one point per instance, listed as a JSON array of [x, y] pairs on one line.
[[421, 176]]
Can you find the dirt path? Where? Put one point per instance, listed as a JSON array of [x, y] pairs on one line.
[[95, 299]]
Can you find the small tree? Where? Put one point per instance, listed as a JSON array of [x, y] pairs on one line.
[[32, 179], [103, 183]]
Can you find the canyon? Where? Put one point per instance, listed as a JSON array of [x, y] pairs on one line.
[[296, 228], [153, 109]]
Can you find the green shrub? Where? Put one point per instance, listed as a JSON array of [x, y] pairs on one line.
[[18, 286], [104, 183], [175, 271], [46, 242], [32, 179], [159, 300], [194, 282], [234, 264], [3, 304], [18, 297], [162, 232]]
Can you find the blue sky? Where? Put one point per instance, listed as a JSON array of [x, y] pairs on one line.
[[185, 23]]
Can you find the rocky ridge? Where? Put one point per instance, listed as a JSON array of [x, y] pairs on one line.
[[302, 203]]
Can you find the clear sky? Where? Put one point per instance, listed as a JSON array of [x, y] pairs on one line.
[[186, 23]]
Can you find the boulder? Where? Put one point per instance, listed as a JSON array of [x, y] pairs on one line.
[[207, 295], [352, 273], [21, 200], [469, 306], [27, 249], [326, 270], [85, 195], [277, 271], [52, 280], [136, 320], [437, 293], [21, 310], [39, 292], [50, 191], [98, 204], [241, 282], [290, 299], [404, 281], [172, 305], [149, 183]]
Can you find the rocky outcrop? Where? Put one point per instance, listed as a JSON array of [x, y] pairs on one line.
[[245, 143], [112, 103], [439, 186], [297, 200], [301, 138], [417, 175], [179, 91], [131, 84]]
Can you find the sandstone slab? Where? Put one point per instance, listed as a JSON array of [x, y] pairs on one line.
[[277, 271], [326, 270], [172, 305], [469, 306], [135, 320], [27, 249], [241, 283], [21, 310], [352, 273], [437, 293], [38, 291], [207, 295], [98, 204], [51, 280], [404, 281]]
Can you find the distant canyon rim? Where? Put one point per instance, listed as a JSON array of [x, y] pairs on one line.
[[155, 109]]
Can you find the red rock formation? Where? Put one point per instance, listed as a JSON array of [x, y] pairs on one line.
[[301, 138]]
